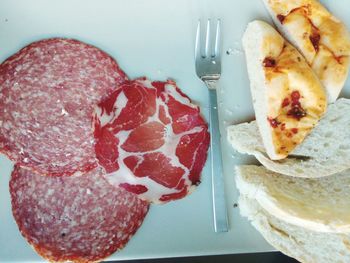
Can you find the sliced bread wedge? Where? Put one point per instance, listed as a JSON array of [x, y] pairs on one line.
[[302, 244], [320, 37], [287, 96], [324, 152], [321, 205]]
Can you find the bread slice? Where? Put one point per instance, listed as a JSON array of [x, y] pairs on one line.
[[324, 152], [288, 98], [295, 241], [320, 37], [321, 205]]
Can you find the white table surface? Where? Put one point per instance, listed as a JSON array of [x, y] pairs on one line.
[[154, 38]]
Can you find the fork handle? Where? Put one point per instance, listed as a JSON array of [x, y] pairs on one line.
[[218, 189]]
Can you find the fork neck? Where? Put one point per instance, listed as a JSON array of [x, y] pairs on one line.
[[210, 82]]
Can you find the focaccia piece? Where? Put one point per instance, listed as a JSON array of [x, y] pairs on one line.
[[288, 97], [322, 38]]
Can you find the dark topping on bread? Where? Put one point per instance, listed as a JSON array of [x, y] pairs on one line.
[[269, 62], [281, 18], [294, 130], [283, 126], [273, 122], [315, 38], [296, 112], [285, 102], [295, 95]]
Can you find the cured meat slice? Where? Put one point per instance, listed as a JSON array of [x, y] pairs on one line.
[[74, 218], [151, 140], [48, 91]]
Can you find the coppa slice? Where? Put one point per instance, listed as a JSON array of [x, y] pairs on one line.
[[74, 218], [288, 98], [151, 140], [48, 91], [319, 36]]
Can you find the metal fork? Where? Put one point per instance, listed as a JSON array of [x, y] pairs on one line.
[[208, 69]]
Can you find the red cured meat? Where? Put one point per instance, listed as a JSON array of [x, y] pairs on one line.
[[47, 95], [157, 140], [152, 134], [74, 218]]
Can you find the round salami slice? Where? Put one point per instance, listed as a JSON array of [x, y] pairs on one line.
[[151, 140], [74, 218], [47, 95]]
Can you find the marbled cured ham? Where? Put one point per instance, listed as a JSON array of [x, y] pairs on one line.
[[151, 140]]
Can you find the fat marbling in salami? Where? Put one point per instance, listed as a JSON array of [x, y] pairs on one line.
[[47, 94], [74, 218]]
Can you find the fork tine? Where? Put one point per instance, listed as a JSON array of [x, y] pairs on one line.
[[217, 39], [197, 49], [207, 40]]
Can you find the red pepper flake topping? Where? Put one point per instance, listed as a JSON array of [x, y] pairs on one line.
[[315, 39], [269, 62], [295, 95], [285, 102], [295, 99], [289, 134], [283, 126], [296, 104], [297, 112], [294, 130], [273, 122], [281, 18]]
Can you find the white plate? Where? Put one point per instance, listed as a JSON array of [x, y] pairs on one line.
[[153, 38]]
